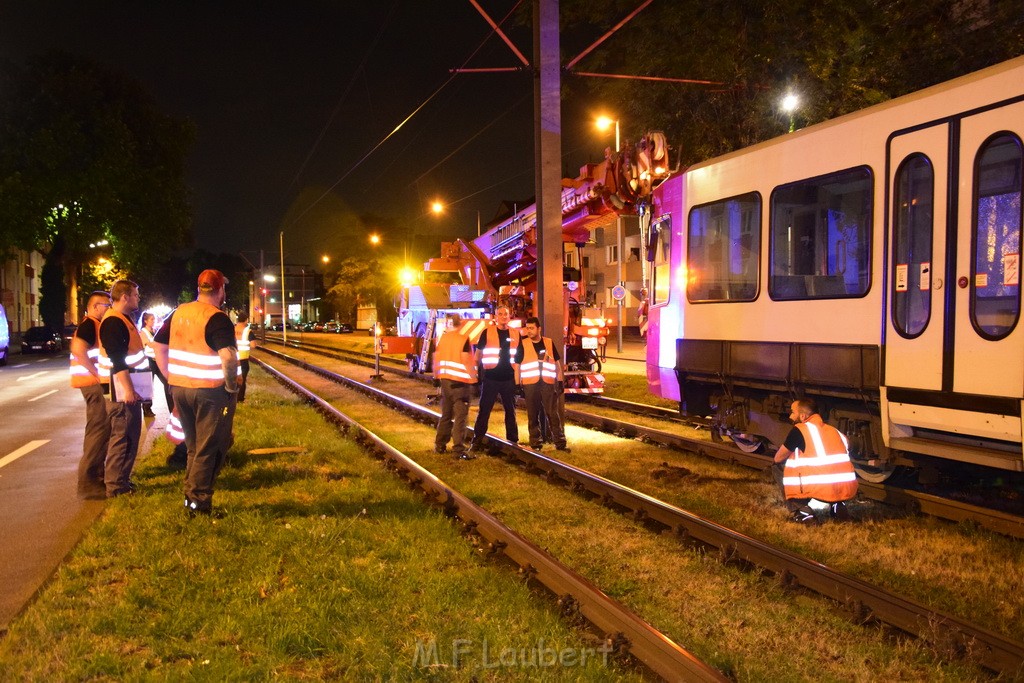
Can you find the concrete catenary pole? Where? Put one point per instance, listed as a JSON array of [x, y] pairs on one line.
[[548, 163]]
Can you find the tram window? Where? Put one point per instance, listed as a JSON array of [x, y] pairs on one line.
[[995, 289], [821, 237], [661, 234], [913, 204], [723, 249]]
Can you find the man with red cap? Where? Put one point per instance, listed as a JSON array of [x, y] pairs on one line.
[[196, 351]]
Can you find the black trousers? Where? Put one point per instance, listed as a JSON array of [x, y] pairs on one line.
[[490, 390]]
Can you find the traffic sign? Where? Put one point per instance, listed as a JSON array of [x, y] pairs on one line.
[[618, 292]]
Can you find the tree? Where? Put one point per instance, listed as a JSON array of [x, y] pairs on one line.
[[86, 156], [840, 55], [363, 281]]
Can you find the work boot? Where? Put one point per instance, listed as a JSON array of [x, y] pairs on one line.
[[839, 513], [178, 459], [805, 516]]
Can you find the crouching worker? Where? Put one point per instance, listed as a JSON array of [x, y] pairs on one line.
[[814, 463]]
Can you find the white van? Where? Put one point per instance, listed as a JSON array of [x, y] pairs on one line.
[[5, 336]]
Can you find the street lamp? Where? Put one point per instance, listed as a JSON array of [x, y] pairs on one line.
[[437, 207], [789, 104], [604, 123]]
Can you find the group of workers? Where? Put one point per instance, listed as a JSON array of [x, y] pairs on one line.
[[195, 354], [202, 360], [506, 363]]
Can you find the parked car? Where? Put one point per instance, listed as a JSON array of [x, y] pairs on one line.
[[69, 334], [5, 336], [42, 340], [343, 328]]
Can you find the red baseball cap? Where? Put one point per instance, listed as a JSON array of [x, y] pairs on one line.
[[212, 280]]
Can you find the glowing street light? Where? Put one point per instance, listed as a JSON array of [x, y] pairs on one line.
[[437, 207], [606, 122], [375, 239], [326, 259], [789, 104]]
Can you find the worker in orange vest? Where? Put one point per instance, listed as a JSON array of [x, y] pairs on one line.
[[245, 345], [85, 375], [814, 462], [123, 358], [498, 353], [540, 373], [196, 351], [455, 369]]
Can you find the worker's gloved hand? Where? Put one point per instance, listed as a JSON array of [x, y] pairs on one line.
[[559, 387], [520, 390]]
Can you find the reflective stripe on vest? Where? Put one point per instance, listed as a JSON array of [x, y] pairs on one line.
[[173, 431], [80, 375], [136, 356], [533, 368], [448, 359], [147, 343], [821, 472], [242, 339], [491, 353], [191, 362]]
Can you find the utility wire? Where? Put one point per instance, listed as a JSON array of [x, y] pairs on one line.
[[341, 100], [415, 111]]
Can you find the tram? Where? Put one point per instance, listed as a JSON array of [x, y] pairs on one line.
[[870, 262]]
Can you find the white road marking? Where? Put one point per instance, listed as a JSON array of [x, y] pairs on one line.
[[27, 448], [42, 360], [51, 391], [21, 365], [33, 376]]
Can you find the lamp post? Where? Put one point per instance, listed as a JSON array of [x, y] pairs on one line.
[[604, 123], [789, 104]]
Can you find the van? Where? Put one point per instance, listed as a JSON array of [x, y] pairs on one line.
[[5, 336]]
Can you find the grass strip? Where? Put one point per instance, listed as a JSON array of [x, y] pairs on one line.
[[734, 619], [324, 566]]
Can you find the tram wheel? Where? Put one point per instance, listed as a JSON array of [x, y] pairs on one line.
[[872, 474], [748, 443]]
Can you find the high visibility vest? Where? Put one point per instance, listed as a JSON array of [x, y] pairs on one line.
[[242, 338], [174, 431], [448, 359], [136, 358], [491, 353], [533, 368], [80, 375], [191, 362], [823, 469], [147, 343]]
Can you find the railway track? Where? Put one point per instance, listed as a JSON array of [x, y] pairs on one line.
[[888, 494], [866, 602], [624, 631]]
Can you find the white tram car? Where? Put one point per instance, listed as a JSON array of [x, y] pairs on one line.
[[871, 262]]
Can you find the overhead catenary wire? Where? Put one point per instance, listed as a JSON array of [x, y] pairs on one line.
[[400, 125]]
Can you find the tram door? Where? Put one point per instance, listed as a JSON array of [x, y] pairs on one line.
[[917, 287], [989, 341]]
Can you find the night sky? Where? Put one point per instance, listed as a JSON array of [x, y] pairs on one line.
[[263, 81]]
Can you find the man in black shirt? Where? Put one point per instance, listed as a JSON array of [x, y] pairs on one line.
[[540, 373], [498, 350], [121, 351], [196, 350], [85, 375]]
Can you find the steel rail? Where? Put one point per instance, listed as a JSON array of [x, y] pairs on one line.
[[936, 506], [624, 630], [867, 602]]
